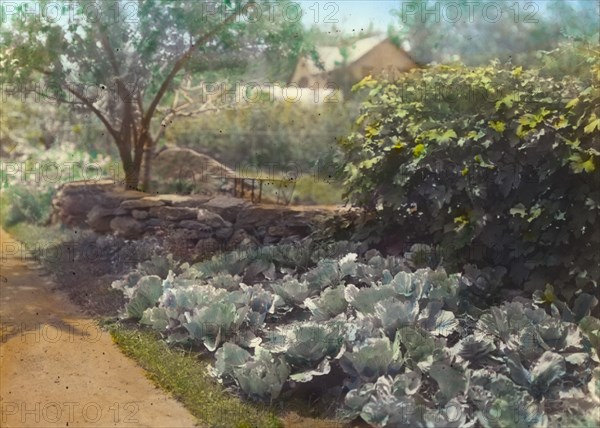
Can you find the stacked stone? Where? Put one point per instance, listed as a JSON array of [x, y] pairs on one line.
[[206, 222]]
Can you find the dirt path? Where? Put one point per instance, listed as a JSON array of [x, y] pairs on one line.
[[57, 368]]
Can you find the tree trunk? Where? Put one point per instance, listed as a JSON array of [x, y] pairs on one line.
[[131, 166], [132, 177], [147, 164]]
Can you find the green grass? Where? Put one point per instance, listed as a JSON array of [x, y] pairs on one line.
[[4, 206], [42, 242], [308, 190], [23, 203], [183, 374], [31, 234]]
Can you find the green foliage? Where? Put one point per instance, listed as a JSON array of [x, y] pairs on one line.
[[473, 33], [319, 191], [148, 290], [26, 204], [121, 69], [395, 339], [496, 165], [276, 140], [184, 374], [30, 179], [29, 123], [273, 137]]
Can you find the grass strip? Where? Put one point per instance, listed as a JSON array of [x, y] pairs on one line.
[[185, 376]]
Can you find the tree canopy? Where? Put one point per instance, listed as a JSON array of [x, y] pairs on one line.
[[477, 32], [120, 58]]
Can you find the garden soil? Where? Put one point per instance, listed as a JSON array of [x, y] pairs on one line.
[[58, 368]]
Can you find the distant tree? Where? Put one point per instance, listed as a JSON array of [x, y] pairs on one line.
[[122, 59], [475, 33]]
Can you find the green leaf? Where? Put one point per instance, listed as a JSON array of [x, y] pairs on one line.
[[549, 368], [418, 150], [572, 103], [508, 101], [588, 165], [498, 126], [593, 124], [578, 165], [370, 163], [447, 136], [450, 380], [146, 295]]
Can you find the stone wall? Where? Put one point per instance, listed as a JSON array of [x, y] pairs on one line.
[[203, 221]]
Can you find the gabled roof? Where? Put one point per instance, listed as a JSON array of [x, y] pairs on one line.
[[331, 56]]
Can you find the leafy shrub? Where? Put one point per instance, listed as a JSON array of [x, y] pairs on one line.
[[496, 165], [408, 347], [274, 137], [28, 204], [29, 181]]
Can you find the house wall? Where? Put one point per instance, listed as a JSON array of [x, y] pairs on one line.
[[384, 57], [302, 71]]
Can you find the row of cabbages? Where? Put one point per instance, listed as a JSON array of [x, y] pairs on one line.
[[404, 348]]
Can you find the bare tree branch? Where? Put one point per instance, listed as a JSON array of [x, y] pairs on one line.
[[97, 112], [109, 51], [179, 65]]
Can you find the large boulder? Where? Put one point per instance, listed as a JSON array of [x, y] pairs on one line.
[[182, 170]]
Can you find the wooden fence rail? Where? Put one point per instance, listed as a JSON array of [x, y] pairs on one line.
[[240, 183]]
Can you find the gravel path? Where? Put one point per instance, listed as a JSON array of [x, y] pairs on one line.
[[57, 368]]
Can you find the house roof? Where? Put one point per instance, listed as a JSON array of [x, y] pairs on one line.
[[331, 57]]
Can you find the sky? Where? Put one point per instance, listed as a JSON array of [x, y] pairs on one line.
[[355, 14], [349, 14]]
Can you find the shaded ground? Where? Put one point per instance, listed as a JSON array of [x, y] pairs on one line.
[[58, 368]]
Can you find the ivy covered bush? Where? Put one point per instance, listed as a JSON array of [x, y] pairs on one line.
[[497, 166], [395, 347]]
